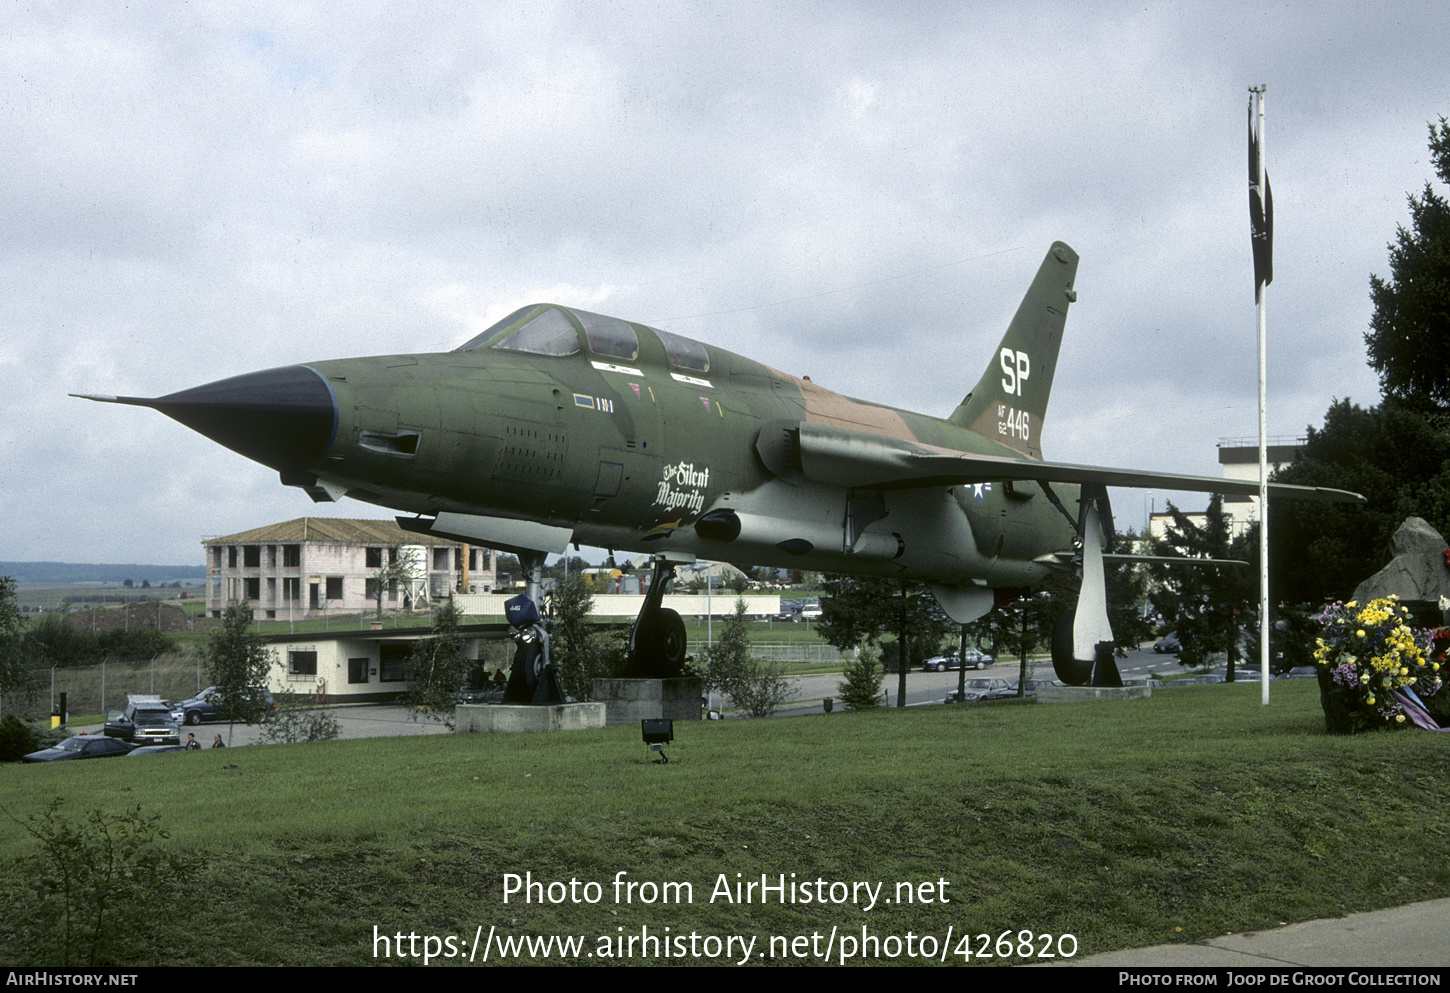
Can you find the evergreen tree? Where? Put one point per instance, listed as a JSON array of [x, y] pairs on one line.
[[1409, 334], [855, 611], [1207, 604], [1391, 454], [758, 688], [862, 687], [581, 655]]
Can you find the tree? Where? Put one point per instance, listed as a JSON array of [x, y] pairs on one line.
[[1025, 626], [862, 687], [855, 611], [1205, 603], [392, 568], [579, 653], [295, 721], [1409, 334], [14, 674], [757, 687], [858, 612], [1391, 454], [238, 663], [437, 669]]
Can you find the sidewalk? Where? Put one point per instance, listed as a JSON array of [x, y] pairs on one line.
[[1417, 935]]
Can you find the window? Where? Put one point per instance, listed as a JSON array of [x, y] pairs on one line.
[[549, 333], [440, 559], [357, 670], [334, 587], [374, 558], [393, 662], [609, 335], [291, 556], [251, 556], [292, 588], [684, 353], [301, 663], [231, 556], [253, 587]]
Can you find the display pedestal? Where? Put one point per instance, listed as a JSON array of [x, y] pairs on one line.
[[1081, 694], [633, 700], [508, 717]]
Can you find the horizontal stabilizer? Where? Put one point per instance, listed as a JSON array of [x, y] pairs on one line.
[[1171, 560]]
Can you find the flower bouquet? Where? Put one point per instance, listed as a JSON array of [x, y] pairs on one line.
[[1366, 655]]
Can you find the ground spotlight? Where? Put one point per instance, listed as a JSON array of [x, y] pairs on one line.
[[656, 732]]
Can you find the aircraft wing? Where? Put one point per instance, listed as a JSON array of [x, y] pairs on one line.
[[841, 457]]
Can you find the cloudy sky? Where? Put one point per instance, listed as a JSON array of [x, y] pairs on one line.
[[860, 192]]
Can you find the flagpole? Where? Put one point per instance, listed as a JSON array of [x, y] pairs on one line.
[[1261, 292]]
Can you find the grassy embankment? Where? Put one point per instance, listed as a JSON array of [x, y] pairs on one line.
[[1192, 814]]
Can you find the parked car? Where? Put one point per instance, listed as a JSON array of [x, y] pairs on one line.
[[1033, 685], [145, 720], [203, 706], [976, 658], [1168, 644], [157, 749], [940, 663], [82, 746], [983, 688], [1152, 684]]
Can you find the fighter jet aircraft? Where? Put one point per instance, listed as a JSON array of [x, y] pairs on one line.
[[559, 426]]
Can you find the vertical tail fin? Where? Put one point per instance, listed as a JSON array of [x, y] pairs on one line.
[[1009, 402]]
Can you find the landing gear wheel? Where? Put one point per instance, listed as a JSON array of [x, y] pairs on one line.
[[670, 637]]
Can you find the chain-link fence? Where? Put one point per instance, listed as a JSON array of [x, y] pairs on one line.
[[93, 687], [788, 652]]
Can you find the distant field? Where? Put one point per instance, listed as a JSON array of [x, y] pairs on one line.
[[1166, 820]]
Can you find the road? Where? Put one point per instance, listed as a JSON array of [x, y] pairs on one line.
[[933, 687], [386, 720]]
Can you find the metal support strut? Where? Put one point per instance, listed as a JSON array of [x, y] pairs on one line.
[[1082, 645], [657, 643], [533, 679]]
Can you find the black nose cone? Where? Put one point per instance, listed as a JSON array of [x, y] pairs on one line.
[[284, 418]]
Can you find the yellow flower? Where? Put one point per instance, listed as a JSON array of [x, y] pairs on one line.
[[1369, 700], [1359, 633], [1400, 718]]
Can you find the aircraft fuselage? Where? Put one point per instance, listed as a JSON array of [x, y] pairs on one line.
[[638, 455]]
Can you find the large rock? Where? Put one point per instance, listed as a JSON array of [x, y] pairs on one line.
[[1417, 572]]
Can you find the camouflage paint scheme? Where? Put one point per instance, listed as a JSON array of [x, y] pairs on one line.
[[557, 426]]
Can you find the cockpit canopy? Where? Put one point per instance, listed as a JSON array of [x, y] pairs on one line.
[[548, 329]]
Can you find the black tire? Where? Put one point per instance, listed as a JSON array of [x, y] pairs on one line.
[[193, 717], [670, 632]]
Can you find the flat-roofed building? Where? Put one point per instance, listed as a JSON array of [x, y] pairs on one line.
[[313, 566]]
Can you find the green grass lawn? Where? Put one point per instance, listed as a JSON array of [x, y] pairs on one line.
[[1189, 815]]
